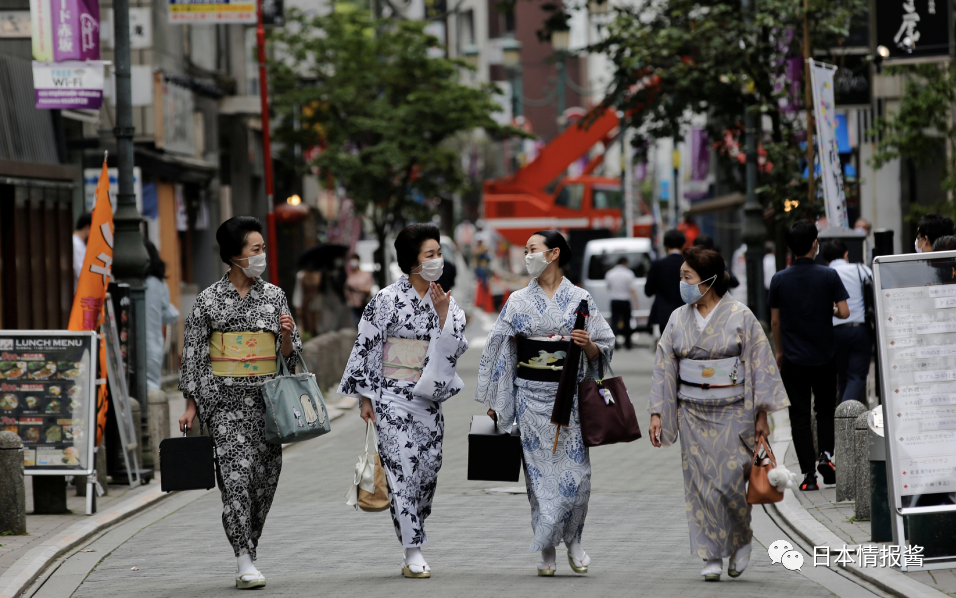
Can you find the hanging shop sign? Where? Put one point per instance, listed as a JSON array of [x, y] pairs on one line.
[[65, 30], [47, 398], [69, 85], [825, 115], [92, 175], [222, 11], [173, 112], [913, 29]]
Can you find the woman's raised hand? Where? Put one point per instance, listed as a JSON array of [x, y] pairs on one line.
[[440, 300]]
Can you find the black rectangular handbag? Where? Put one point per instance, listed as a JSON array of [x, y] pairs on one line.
[[493, 455], [606, 411], [187, 463]]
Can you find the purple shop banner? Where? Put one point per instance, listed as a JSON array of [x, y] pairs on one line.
[[65, 30], [70, 85]]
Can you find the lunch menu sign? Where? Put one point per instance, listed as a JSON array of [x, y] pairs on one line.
[[47, 397]]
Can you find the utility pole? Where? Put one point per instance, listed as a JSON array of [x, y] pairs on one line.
[[273, 252], [755, 231], [129, 255], [627, 176]]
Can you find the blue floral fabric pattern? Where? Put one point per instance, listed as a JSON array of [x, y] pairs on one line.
[[408, 416], [559, 483]]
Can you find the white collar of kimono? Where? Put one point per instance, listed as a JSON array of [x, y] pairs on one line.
[[411, 293], [701, 320], [564, 281]]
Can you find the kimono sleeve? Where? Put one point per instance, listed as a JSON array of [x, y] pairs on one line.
[[439, 380], [496, 372], [664, 385], [282, 306], [195, 364], [763, 376], [363, 372]]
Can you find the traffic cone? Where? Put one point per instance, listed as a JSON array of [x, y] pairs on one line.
[[489, 302], [479, 294]]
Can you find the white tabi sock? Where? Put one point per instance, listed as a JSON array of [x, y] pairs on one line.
[[245, 565], [576, 550], [415, 558], [548, 555]]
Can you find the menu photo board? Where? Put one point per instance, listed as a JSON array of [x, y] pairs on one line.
[[916, 311]]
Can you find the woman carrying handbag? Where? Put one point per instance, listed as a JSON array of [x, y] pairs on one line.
[[233, 335], [715, 380], [402, 368]]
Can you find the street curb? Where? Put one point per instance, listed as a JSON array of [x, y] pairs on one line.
[[815, 533], [31, 565]]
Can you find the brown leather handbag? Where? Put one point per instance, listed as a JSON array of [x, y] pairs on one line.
[[759, 490], [606, 411]]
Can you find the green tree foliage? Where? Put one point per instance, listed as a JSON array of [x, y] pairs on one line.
[[676, 58], [923, 125], [383, 111]]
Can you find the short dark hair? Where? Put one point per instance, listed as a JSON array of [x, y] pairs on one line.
[[408, 243], [800, 237], [945, 243], [933, 226], [156, 267], [622, 261], [833, 249], [674, 239], [85, 219], [708, 264], [553, 239], [705, 241], [232, 234]]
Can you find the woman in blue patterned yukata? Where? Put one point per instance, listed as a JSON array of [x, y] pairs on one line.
[[518, 379], [402, 368]]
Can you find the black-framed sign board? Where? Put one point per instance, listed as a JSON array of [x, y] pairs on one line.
[[916, 314], [48, 398]]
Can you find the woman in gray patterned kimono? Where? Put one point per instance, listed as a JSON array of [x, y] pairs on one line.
[[403, 368], [222, 386], [518, 378], [715, 381]]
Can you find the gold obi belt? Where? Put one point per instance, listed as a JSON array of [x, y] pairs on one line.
[[240, 354], [403, 358]]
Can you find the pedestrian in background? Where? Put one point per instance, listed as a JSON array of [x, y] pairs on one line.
[[663, 281], [402, 368], [518, 378], [715, 380], [803, 301], [854, 344], [358, 288], [931, 227], [239, 313], [620, 288], [946, 243], [81, 234], [705, 241], [159, 313]]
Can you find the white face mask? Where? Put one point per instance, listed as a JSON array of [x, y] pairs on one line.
[[919, 248], [536, 263], [432, 269], [257, 265]]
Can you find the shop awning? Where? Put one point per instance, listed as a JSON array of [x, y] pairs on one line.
[[181, 169], [724, 203]]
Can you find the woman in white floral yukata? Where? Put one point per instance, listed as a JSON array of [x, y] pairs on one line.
[[403, 367], [233, 334], [518, 378]]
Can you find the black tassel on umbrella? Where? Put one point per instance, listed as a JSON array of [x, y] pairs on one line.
[[564, 401]]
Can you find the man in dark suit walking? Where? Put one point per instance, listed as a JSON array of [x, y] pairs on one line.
[[663, 281]]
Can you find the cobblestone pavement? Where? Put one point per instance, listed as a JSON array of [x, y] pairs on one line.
[[313, 544]]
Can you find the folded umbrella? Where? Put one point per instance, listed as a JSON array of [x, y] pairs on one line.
[[567, 386]]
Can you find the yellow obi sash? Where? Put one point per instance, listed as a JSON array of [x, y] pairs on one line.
[[240, 354], [403, 358]]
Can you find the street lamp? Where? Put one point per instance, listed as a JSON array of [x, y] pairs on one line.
[[511, 57], [560, 41], [471, 54]]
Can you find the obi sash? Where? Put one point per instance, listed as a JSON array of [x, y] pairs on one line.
[[541, 358], [403, 358], [241, 354], [710, 378]]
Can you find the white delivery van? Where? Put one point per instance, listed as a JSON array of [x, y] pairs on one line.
[[603, 254]]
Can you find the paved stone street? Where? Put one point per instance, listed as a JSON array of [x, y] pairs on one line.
[[313, 544]]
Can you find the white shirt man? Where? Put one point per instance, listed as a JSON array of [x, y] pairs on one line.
[[620, 283], [852, 276], [620, 289], [81, 234]]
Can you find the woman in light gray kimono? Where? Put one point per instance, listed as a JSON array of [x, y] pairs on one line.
[[518, 378], [403, 367], [715, 381]]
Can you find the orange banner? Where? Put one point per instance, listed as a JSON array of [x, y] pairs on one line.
[[87, 311]]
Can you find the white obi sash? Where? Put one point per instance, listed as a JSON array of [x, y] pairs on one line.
[[705, 379]]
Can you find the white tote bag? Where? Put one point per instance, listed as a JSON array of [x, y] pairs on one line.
[[369, 490]]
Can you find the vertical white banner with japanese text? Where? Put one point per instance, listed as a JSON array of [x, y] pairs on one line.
[[824, 108]]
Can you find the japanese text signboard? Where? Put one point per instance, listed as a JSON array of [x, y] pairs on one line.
[[824, 102], [47, 384], [916, 311], [913, 29], [214, 11]]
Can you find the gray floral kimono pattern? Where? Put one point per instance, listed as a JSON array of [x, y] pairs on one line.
[[717, 436], [232, 408], [408, 416], [559, 483]]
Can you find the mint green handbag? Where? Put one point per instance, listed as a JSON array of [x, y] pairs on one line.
[[295, 410]]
